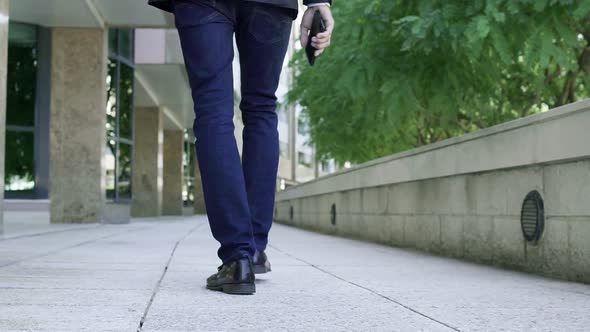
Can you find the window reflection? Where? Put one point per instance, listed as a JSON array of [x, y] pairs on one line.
[[113, 41], [188, 162], [126, 96], [119, 112], [20, 166], [110, 164], [124, 171], [111, 109], [21, 82], [126, 43]]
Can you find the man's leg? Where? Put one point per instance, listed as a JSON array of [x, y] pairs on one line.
[[207, 44], [262, 36]]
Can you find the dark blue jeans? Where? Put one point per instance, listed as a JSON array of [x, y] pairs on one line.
[[239, 197]]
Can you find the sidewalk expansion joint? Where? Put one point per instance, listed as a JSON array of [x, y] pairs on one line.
[[367, 289], [22, 236], [80, 244], [159, 282]]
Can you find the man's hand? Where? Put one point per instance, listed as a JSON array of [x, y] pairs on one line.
[[322, 40]]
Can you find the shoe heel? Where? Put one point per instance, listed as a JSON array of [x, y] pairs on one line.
[[239, 289], [261, 269]]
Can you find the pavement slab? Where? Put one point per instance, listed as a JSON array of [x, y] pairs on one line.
[[150, 276]]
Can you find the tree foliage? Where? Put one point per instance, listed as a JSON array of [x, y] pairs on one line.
[[403, 73]]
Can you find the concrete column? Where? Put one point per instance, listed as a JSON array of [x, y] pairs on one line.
[[199, 197], [77, 129], [147, 163], [172, 204], [3, 64]]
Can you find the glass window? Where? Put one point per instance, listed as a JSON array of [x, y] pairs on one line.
[[189, 161], [21, 83], [304, 159], [20, 165], [22, 80], [119, 113], [124, 171], [22, 34], [126, 98], [126, 43], [112, 97], [113, 41], [110, 163]]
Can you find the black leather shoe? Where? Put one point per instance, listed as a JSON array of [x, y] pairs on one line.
[[261, 263], [236, 277]]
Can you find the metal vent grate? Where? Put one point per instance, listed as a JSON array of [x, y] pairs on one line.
[[333, 214], [532, 217]]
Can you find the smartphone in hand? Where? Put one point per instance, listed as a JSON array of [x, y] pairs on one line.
[[317, 26]]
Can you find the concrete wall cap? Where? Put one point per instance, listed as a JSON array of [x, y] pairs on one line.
[[517, 143]]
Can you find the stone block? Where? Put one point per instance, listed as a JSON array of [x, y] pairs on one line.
[[396, 224], [502, 192], [297, 205], [567, 189], [378, 228], [348, 224], [428, 233], [282, 211], [452, 237], [434, 196], [508, 242], [486, 195], [579, 248], [309, 205], [427, 199], [518, 184], [324, 222], [451, 197], [310, 221], [307, 220], [375, 200], [324, 203], [535, 260], [440, 196], [411, 232], [479, 234], [403, 198], [352, 201], [552, 252], [362, 227]]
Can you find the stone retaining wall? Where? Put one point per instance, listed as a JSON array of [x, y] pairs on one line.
[[463, 197]]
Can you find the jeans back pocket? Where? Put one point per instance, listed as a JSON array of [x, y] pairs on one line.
[[192, 13], [270, 25]]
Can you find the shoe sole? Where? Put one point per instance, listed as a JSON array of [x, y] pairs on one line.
[[235, 289], [262, 269]]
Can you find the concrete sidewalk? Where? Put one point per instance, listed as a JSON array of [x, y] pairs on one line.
[[150, 275]]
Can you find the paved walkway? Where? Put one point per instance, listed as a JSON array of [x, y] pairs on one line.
[[149, 275]]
